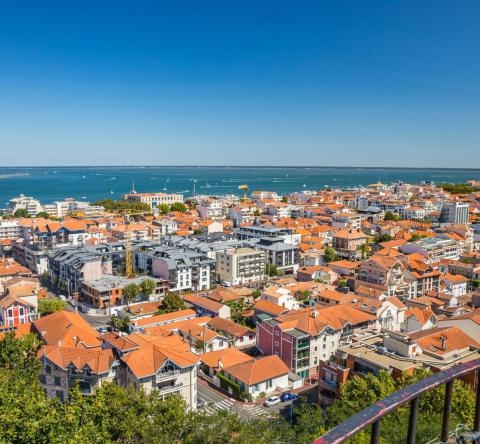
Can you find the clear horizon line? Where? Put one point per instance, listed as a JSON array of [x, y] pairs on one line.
[[247, 166]]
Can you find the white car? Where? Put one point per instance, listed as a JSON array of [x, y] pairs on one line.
[[273, 400]]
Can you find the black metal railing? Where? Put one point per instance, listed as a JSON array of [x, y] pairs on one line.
[[372, 416]]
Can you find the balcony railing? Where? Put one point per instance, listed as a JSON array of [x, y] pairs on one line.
[[167, 375], [411, 394]]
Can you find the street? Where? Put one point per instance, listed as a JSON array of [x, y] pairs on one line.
[[217, 401]]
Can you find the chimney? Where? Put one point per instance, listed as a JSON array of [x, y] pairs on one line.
[[220, 364], [444, 343], [314, 313]]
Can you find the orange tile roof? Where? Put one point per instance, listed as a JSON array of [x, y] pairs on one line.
[[203, 302], [98, 360], [453, 337], [229, 327], [227, 356], [167, 317], [155, 351], [68, 328], [269, 307], [258, 370]]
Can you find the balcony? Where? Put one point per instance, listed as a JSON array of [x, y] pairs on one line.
[[372, 416], [167, 389], [167, 375], [329, 385], [303, 345]]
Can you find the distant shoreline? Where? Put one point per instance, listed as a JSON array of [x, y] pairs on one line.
[[243, 167]]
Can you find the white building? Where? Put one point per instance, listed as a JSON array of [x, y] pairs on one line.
[[280, 296], [10, 229], [238, 266], [33, 206], [154, 200]]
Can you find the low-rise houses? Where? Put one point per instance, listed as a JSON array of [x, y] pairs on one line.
[[254, 377], [238, 335], [207, 307]]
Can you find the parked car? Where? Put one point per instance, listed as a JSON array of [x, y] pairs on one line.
[[273, 400], [288, 396]]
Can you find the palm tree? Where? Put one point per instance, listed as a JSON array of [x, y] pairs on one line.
[[364, 250]]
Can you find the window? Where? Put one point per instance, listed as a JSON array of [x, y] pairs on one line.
[[58, 380], [276, 333], [276, 343], [48, 370]]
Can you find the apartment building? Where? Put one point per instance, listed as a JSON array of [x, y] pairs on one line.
[[454, 213], [434, 249], [303, 338], [107, 291], [239, 266], [347, 242], [186, 270], [10, 229], [396, 353], [164, 364], [211, 209], [384, 272], [33, 206], [63, 367]]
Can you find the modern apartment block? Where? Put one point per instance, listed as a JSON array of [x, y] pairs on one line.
[[238, 266], [454, 213]]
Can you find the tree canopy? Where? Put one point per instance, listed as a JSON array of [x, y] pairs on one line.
[[389, 215], [147, 286], [329, 255], [21, 212], [48, 306], [130, 292], [117, 415], [172, 302], [123, 205]]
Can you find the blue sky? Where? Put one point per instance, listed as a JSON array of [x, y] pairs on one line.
[[370, 83]]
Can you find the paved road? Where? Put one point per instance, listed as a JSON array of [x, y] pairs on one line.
[[218, 401], [94, 321]]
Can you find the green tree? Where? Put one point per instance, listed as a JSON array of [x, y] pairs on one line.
[[172, 302], [178, 206], [43, 215], [164, 208], [130, 292], [382, 237], [256, 294], [147, 286], [389, 215], [123, 206], [271, 270], [284, 199], [21, 212], [329, 255], [360, 392], [364, 250], [51, 305]]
